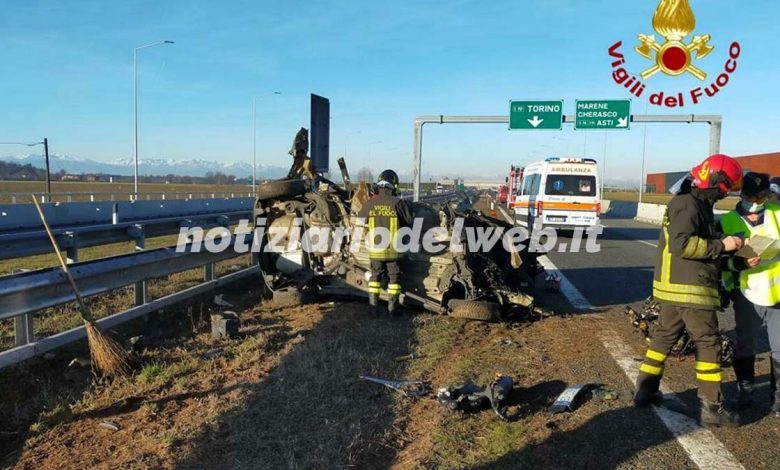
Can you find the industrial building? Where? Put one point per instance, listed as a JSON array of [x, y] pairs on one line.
[[762, 163]]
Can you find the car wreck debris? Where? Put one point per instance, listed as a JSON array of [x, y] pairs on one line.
[[407, 388], [471, 397]]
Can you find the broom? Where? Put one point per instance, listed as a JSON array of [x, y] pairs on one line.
[[108, 357]]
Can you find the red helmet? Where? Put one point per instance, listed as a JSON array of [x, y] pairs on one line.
[[718, 171]]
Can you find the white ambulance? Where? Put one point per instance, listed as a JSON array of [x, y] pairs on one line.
[[560, 193]]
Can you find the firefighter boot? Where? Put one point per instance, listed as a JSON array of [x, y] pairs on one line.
[[744, 368], [647, 393], [393, 306], [715, 414], [373, 304], [774, 385]]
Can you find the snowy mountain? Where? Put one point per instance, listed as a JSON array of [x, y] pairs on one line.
[[150, 166]]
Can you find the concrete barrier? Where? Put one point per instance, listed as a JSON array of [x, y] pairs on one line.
[[654, 213], [618, 209]]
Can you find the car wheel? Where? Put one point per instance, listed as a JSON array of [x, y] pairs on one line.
[[280, 189], [475, 310]]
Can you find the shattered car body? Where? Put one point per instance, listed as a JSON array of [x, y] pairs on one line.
[[488, 285]]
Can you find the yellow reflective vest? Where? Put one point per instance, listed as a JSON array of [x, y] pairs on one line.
[[760, 285]]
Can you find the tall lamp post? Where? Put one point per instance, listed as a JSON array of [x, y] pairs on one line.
[[45, 144], [135, 107], [254, 137]]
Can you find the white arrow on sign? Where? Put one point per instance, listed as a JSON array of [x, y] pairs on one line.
[[623, 122], [535, 121]]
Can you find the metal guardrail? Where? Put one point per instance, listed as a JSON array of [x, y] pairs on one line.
[[81, 225], [88, 196], [23, 294]]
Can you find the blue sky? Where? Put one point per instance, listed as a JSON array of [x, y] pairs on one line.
[[67, 69]]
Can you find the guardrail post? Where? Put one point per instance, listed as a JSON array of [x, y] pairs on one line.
[[208, 272], [139, 288], [72, 248], [13, 199], [23, 329]]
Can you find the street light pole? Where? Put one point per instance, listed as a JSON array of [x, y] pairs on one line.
[[135, 108], [45, 144], [48, 169], [254, 139]]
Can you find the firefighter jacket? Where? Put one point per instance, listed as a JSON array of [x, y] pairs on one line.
[[384, 215], [760, 285], [687, 269]]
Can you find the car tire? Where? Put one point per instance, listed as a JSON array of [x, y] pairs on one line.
[[475, 310], [293, 297], [280, 189]]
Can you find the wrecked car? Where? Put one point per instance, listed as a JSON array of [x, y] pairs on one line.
[[487, 285]]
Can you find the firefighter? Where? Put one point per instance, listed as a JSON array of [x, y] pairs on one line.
[[384, 214], [686, 284], [755, 287]]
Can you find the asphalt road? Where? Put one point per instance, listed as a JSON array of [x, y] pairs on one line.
[[621, 273]]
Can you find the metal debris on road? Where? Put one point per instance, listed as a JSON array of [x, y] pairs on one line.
[[213, 353], [472, 397], [109, 425], [408, 388]]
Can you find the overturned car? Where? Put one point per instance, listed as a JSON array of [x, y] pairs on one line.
[[310, 236]]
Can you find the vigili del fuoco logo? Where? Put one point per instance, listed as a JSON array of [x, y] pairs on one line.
[[674, 56]]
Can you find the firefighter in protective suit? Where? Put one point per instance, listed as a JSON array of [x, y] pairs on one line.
[[686, 284], [755, 287], [384, 214]]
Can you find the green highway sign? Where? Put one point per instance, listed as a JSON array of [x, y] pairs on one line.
[[602, 114], [536, 115]]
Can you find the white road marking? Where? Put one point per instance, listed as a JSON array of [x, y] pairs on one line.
[[702, 447], [573, 295], [647, 243]]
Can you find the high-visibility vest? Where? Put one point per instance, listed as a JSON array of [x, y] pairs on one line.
[[760, 285]]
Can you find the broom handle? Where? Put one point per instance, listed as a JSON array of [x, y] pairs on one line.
[[86, 314]]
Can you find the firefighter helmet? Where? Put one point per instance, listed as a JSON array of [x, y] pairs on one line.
[[718, 171], [388, 178]]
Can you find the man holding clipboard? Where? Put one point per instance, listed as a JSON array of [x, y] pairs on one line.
[[753, 278]]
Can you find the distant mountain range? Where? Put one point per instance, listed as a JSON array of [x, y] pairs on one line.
[[147, 167]]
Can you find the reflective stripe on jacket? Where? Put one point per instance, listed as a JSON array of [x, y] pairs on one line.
[[384, 214], [687, 270], [760, 285]]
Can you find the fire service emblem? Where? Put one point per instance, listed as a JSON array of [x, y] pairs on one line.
[[673, 55]]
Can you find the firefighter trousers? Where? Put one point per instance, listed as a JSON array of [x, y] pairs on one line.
[[702, 326], [385, 274]]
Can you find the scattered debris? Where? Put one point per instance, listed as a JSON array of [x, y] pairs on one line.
[[471, 397], [79, 361], [408, 388], [685, 346], [504, 342], [220, 302], [109, 425], [224, 325], [408, 357], [212, 353], [604, 393], [569, 399], [553, 283]]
